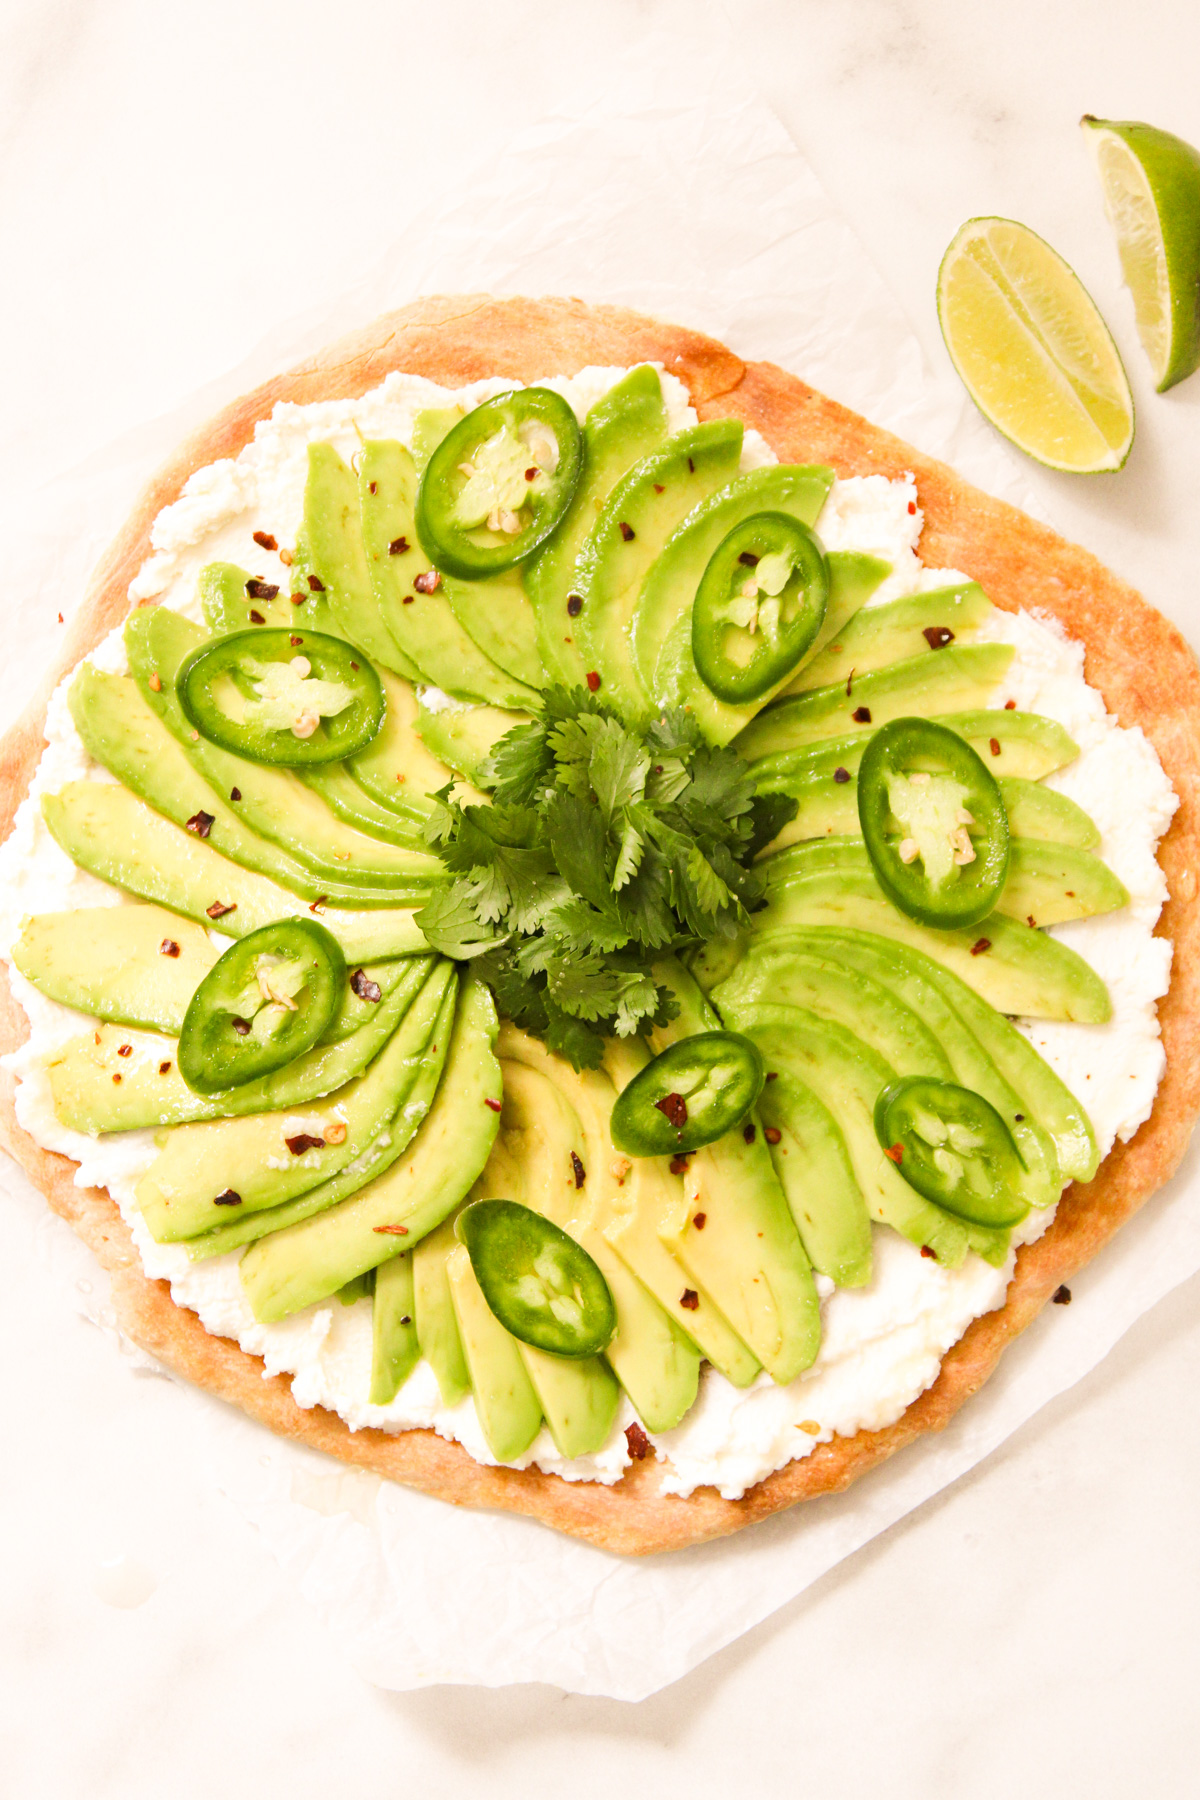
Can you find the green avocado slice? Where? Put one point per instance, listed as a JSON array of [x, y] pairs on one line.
[[310, 1260], [496, 615], [579, 1398], [635, 522], [465, 736], [109, 832], [135, 965], [351, 803], [437, 1327], [395, 1351], [397, 770], [623, 426], [1026, 745], [816, 1174], [506, 1401], [229, 606], [895, 632], [334, 543]]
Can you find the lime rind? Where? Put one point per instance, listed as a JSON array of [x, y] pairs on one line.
[[1151, 185], [1032, 349]]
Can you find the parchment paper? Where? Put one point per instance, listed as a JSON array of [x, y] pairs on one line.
[[700, 208]]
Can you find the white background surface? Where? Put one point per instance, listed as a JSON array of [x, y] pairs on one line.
[[172, 186]]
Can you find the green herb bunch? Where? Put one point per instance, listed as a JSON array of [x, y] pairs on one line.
[[604, 849]]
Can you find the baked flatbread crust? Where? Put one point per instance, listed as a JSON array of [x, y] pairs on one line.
[[1136, 658]]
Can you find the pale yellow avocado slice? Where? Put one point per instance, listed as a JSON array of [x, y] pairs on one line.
[[506, 1401], [135, 965]]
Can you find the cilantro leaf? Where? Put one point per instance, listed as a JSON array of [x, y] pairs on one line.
[[450, 922]]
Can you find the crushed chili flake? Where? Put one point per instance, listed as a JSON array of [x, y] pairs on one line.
[[577, 1169], [319, 903], [116, 1081], [228, 1198], [354, 666], [260, 590], [218, 909], [168, 947], [700, 1221], [841, 775], [304, 1140], [406, 1319], [938, 636], [673, 1108], [639, 1444], [691, 466], [235, 793], [125, 1050], [315, 585], [494, 1105], [689, 1299], [391, 1230], [1061, 1296], [862, 715], [364, 987], [931, 1254], [896, 1153], [201, 823], [849, 683], [531, 474], [679, 1164], [627, 532], [428, 582], [242, 1026], [912, 507], [372, 486], [659, 488], [155, 682], [297, 599], [398, 546], [1031, 921], [980, 945], [994, 746], [749, 558], [1010, 706], [748, 1134], [256, 617], [772, 1133], [295, 639], [265, 541], [773, 1075], [335, 1133], [164, 1068], [408, 599], [593, 681], [60, 618], [574, 605]]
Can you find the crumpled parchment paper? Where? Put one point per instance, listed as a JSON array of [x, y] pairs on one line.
[[698, 207]]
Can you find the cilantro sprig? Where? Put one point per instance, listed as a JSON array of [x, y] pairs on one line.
[[602, 850]]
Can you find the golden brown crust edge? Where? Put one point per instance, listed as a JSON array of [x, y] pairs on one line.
[[1139, 662]]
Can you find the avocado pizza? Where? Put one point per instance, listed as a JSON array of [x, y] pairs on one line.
[[587, 930]]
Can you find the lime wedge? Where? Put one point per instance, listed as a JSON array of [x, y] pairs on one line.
[[1034, 353], [1151, 184]]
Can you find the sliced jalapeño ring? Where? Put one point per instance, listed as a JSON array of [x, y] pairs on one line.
[[290, 697], [759, 606], [542, 1286], [691, 1094], [266, 1001], [952, 1146]]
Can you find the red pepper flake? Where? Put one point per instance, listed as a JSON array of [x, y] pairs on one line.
[[980, 945], [1061, 1296], [60, 618], [691, 466], [679, 1164], [391, 1230], [1031, 921], [297, 599], [228, 1198], [593, 681], [849, 683], [931, 1254], [408, 599], [218, 909], [256, 617], [748, 1134], [493, 1104], [772, 1133], [116, 1081], [700, 1221], [354, 666], [125, 1050], [371, 486], [319, 904], [673, 1108], [938, 636], [912, 507], [577, 1169], [242, 1026], [164, 1068], [427, 582], [155, 682], [1070, 893], [406, 1319], [750, 560], [574, 605], [689, 1299], [840, 775], [365, 988], [530, 474], [265, 541], [627, 532], [994, 746], [260, 590], [639, 1444], [315, 585], [862, 715], [773, 1075], [659, 488], [235, 793], [398, 546], [303, 1141], [168, 947], [1010, 706], [201, 823], [294, 639], [896, 1153]]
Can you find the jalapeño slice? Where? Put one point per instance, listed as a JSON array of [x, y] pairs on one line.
[[499, 482], [759, 606], [266, 1001], [293, 697], [952, 1146], [934, 823], [691, 1094], [542, 1286]]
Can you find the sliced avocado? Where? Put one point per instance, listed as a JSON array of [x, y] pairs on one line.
[[1040, 812], [107, 831], [351, 803], [634, 524], [747, 1252], [623, 426], [228, 606], [1016, 969], [651, 1200], [816, 1174], [396, 769], [847, 1077], [465, 736], [422, 623], [152, 1092], [307, 1261], [395, 1351], [579, 1398], [252, 1156], [272, 802], [334, 542], [426, 1049], [1028, 745], [896, 631], [669, 588], [136, 965], [853, 577], [437, 1327], [506, 1402], [496, 615], [928, 685], [429, 428], [560, 1120]]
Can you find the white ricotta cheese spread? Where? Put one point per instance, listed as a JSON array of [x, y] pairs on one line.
[[882, 1345]]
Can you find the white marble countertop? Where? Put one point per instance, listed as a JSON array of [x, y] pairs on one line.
[[174, 182]]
